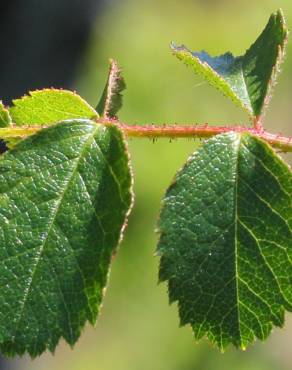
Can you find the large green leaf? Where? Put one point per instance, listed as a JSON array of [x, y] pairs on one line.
[[112, 99], [247, 79], [5, 119], [48, 106], [225, 240], [64, 197]]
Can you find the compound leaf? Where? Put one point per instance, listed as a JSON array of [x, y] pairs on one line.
[[225, 240], [5, 119], [49, 106], [64, 198], [246, 79], [112, 99]]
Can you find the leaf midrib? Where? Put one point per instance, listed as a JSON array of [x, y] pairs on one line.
[[235, 234], [245, 85], [54, 215]]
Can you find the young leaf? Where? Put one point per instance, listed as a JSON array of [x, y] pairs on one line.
[[5, 119], [48, 106], [225, 240], [64, 195], [247, 79], [111, 100]]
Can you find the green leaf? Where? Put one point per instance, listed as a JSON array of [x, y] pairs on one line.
[[247, 79], [64, 198], [5, 119], [112, 98], [49, 106], [225, 240], [14, 134]]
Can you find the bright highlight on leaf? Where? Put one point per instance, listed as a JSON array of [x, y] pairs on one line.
[[225, 240], [247, 79], [64, 197], [48, 106]]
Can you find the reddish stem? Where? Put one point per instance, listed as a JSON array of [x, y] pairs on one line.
[[202, 131]]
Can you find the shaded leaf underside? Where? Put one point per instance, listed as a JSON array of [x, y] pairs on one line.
[[225, 240], [248, 79], [64, 196], [112, 99]]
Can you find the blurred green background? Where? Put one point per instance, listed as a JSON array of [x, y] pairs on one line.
[[137, 329]]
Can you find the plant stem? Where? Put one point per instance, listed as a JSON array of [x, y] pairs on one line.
[[168, 131], [203, 131]]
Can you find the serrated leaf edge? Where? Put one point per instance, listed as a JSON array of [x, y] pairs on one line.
[[182, 51], [274, 75], [93, 321], [159, 252], [33, 93]]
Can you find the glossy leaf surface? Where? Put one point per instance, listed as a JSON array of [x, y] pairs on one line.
[[225, 240], [64, 197]]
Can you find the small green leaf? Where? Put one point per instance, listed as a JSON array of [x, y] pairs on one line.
[[112, 98], [64, 197], [225, 240], [5, 119], [49, 106], [247, 79]]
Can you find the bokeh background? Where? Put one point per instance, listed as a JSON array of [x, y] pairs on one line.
[[68, 43]]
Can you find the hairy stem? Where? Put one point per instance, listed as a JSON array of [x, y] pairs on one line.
[[168, 131], [204, 131]]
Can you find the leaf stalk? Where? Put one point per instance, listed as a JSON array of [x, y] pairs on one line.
[[171, 131], [204, 131]]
